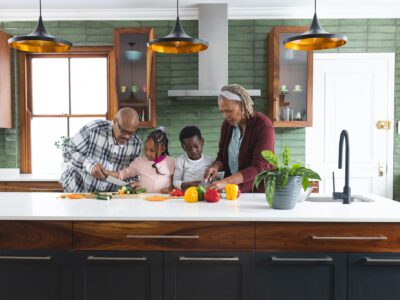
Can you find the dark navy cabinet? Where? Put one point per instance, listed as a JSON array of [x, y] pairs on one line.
[[374, 276], [118, 275], [35, 275], [301, 276], [208, 275]]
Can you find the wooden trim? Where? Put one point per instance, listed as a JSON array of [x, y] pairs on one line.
[[5, 82], [30, 186], [24, 115], [274, 78], [150, 72], [25, 93], [67, 116], [112, 91], [35, 235]]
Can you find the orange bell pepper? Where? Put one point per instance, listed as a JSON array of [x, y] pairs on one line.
[[232, 191], [191, 195]]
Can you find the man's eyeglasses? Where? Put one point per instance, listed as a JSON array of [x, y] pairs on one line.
[[123, 130]]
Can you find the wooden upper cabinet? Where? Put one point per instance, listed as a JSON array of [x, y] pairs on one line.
[[290, 80], [5, 82], [136, 73]]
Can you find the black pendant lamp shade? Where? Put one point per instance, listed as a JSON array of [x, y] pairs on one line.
[[177, 41], [315, 38], [39, 40]]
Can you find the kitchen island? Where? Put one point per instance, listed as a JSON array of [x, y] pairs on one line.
[[55, 248]]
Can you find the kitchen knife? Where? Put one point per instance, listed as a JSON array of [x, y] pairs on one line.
[[116, 181]]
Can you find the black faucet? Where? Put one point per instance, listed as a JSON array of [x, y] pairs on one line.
[[346, 195]]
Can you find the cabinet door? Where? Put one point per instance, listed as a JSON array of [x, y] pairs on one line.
[[374, 276], [290, 80], [211, 276], [35, 275], [308, 276], [117, 275], [136, 87], [5, 82]]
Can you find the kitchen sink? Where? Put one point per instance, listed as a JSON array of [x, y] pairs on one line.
[[354, 198]]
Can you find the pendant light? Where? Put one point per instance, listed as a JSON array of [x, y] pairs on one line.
[[39, 40], [177, 41], [315, 38]]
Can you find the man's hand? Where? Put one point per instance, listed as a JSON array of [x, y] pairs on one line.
[[99, 172]]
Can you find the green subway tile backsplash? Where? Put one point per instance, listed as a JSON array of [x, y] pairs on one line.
[[248, 65]]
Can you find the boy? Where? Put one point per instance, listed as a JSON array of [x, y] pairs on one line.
[[190, 166]]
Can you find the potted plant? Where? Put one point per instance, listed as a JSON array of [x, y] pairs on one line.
[[63, 143], [282, 183]]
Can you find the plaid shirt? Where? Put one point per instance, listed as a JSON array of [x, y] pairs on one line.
[[93, 144]]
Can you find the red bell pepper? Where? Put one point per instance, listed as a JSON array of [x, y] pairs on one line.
[[177, 193], [212, 196]]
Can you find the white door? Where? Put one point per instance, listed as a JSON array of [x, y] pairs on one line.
[[353, 92]]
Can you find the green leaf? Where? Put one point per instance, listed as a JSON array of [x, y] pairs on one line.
[[305, 183], [270, 157], [286, 156], [269, 184]]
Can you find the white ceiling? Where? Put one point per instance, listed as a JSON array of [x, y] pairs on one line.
[[166, 9]]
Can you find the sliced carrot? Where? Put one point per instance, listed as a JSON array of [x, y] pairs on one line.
[[156, 198], [76, 196]]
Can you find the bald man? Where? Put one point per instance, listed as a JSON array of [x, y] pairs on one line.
[[101, 145]]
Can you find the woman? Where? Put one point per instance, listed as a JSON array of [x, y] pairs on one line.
[[244, 134]]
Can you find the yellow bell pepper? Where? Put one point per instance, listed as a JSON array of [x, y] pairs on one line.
[[232, 191], [191, 195]]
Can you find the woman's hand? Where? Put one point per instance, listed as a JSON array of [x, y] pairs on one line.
[[217, 185], [210, 173]]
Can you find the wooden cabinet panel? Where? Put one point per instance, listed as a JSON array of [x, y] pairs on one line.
[[35, 235], [5, 82], [30, 186], [337, 237], [196, 236]]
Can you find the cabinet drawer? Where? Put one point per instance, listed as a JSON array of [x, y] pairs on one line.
[[35, 235], [194, 236], [340, 237]]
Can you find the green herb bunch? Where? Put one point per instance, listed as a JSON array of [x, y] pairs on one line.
[[280, 173]]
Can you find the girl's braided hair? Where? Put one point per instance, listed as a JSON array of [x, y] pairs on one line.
[[159, 138]]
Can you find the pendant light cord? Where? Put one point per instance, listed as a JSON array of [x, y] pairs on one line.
[[177, 9], [40, 8], [315, 7]]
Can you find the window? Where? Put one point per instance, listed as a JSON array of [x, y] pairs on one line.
[[65, 92]]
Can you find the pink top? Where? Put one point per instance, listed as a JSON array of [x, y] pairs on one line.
[[148, 176]]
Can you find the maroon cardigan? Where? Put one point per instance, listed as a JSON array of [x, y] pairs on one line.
[[259, 135]]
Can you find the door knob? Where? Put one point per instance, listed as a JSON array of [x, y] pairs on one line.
[[381, 169]]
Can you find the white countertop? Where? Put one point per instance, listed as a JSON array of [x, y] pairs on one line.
[[249, 207], [30, 177]]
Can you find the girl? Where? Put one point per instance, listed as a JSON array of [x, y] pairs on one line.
[[156, 169]]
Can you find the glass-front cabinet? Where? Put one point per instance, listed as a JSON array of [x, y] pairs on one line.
[[290, 80], [135, 76]]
